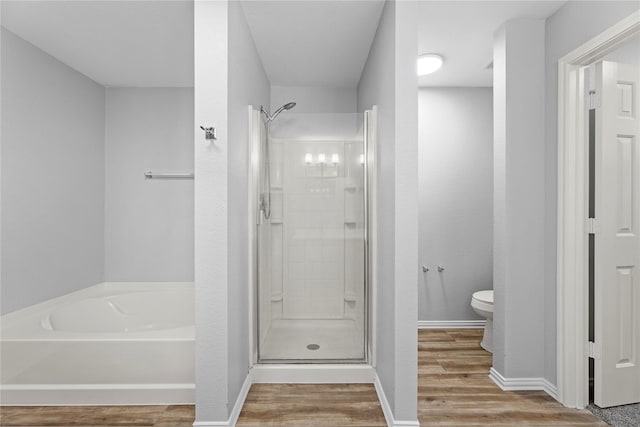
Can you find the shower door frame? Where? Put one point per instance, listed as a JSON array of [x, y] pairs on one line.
[[369, 237]]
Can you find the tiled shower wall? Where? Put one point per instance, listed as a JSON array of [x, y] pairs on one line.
[[316, 231]]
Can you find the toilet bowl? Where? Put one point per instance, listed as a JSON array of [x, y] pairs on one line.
[[482, 304]]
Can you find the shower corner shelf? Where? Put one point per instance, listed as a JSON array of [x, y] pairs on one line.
[[276, 222], [350, 221]]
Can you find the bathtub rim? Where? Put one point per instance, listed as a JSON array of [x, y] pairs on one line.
[[33, 313]]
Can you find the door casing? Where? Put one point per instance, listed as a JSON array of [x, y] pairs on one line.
[[572, 255]]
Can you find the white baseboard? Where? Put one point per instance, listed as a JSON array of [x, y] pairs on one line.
[[550, 389], [211, 424], [451, 324], [235, 412], [96, 394], [242, 396], [386, 408], [520, 384], [312, 374]]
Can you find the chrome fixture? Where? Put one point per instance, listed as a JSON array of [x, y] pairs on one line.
[[157, 175], [440, 269], [209, 133], [425, 268], [265, 199], [270, 117]]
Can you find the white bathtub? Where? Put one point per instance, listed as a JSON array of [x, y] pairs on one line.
[[110, 344]]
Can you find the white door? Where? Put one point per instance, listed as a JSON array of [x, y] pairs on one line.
[[617, 239]]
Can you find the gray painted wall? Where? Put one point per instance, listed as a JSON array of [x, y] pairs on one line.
[[315, 99], [148, 223], [52, 177], [211, 226], [456, 199], [377, 87], [572, 25], [519, 199], [228, 78], [406, 217], [389, 81], [248, 85]]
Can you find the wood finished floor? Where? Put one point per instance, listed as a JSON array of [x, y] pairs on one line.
[[313, 405], [103, 416], [453, 390]]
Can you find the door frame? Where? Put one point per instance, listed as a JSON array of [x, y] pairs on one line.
[[572, 260]]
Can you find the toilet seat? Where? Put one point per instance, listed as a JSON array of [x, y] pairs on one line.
[[483, 300]]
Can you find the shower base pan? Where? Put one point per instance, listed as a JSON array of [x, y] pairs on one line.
[[305, 341]]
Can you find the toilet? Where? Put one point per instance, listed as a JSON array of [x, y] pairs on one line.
[[482, 304]]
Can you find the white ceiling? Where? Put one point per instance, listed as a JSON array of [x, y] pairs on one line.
[[115, 43], [313, 43], [462, 32], [301, 43]]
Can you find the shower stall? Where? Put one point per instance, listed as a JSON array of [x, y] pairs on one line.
[[310, 179]]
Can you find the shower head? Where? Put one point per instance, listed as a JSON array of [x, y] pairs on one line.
[[285, 107]]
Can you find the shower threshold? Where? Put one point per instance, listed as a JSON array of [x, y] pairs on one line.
[[327, 373]]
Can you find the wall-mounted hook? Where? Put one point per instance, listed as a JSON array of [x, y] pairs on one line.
[[209, 133], [440, 269], [425, 268]]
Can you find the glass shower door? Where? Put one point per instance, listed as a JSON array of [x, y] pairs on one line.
[[311, 275]]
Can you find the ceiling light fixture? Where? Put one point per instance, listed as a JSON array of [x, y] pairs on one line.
[[429, 63]]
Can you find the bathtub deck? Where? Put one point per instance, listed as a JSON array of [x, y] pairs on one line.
[[453, 388]]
